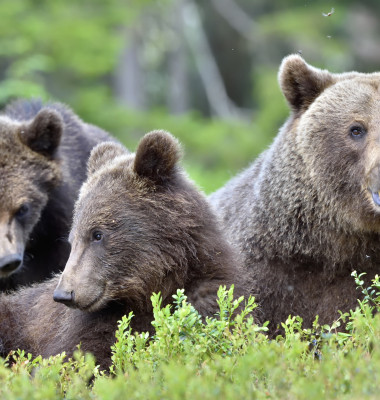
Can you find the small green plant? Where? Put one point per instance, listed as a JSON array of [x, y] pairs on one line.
[[25, 377], [181, 332], [371, 293]]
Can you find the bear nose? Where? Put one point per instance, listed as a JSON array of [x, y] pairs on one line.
[[9, 264], [61, 296]]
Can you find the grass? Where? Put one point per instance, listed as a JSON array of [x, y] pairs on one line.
[[228, 357]]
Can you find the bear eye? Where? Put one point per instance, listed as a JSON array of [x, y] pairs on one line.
[[357, 132], [22, 211], [97, 236]]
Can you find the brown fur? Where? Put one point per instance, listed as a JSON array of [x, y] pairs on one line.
[[140, 226], [302, 215], [44, 150]]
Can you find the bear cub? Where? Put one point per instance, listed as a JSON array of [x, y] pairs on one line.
[[43, 150], [140, 226]]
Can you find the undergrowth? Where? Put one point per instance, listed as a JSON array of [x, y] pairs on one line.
[[228, 356]]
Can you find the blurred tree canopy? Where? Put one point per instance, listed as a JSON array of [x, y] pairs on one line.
[[204, 70]]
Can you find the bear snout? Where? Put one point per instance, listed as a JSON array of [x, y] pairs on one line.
[[63, 296], [10, 264], [374, 184]]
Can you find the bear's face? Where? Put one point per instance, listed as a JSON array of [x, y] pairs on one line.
[[336, 130], [27, 175], [128, 228]]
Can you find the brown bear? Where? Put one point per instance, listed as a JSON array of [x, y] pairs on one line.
[[43, 153], [140, 226], [306, 213]]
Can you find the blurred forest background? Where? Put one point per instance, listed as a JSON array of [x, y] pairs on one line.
[[206, 70]]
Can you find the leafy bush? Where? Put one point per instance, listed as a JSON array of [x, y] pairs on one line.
[[227, 357], [182, 334]]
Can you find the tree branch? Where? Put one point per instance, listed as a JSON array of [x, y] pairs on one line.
[[208, 69], [236, 17]]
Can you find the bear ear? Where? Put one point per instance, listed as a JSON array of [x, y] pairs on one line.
[[301, 83], [102, 153], [43, 134], [157, 156]]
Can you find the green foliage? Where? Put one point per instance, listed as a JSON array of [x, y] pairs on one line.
[[371, 294], [227, 357], [75, 41], [181, 333], [52, 378]]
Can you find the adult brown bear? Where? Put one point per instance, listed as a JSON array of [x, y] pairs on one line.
[[43, 155], [307, 212], [140, 226]]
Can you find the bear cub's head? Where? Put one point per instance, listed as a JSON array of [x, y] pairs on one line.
[[28, 172], [137, 226]]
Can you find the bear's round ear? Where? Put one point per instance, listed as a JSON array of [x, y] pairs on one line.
[[43, 134], [301, 83], [103, 153], [157, 156]]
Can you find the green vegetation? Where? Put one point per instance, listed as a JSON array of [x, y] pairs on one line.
[[71, 52], [227, 357]]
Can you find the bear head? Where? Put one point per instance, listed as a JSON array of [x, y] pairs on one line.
[[29, 170], [335, 132], [136, 227]]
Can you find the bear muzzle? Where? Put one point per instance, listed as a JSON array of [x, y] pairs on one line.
[[9, 264], [63, 296], [374, 185], [376, 198], [12, 247]]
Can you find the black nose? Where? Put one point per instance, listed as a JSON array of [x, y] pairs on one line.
[[10, 263], [61, 296]]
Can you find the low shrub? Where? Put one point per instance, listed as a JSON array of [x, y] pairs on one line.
[[228, 356]]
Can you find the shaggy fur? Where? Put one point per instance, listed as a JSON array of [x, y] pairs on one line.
[[304, 215], [43, 155], [140, 226]]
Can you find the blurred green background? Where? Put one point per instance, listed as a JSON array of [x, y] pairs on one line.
[[206, 70]]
